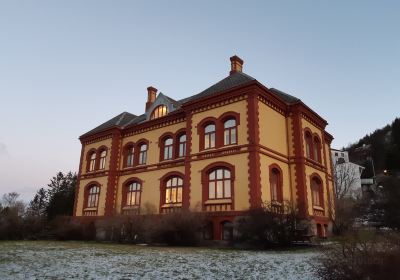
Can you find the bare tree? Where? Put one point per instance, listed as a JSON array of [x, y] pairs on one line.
[[10, 201], [346, 176]]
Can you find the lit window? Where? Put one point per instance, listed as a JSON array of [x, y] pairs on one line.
[[103, 155], [209, 136], [182, 145], [92, 163], [93, 197], [143, 154], [173, 190], [130, 156], [133, 194], [159, 111], [219, 184], [230, 132], [168, 147]]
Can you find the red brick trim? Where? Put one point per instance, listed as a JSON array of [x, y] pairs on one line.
[[300, 173], [188, 164], [254, 165], [113, 174]]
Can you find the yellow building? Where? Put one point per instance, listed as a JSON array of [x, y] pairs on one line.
[[223, 151]]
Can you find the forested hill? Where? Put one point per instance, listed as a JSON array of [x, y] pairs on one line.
[[383, 146]]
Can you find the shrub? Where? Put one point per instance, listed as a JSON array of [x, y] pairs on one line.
[[361, 255], [271, 225]]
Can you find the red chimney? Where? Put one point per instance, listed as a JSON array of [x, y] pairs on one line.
[[151, 96], [236, 64]]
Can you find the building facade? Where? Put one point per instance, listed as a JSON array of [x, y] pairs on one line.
[[223, 151]]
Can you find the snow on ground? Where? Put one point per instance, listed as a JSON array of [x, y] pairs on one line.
[[78, 260]]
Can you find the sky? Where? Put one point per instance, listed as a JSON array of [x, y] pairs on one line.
[[68, 66]]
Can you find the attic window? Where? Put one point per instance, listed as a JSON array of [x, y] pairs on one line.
[[159, 111]]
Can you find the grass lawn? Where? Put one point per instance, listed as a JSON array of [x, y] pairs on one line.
[[87, 260]]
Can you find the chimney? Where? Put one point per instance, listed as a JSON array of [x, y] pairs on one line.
[[236, 64], [151, 96]]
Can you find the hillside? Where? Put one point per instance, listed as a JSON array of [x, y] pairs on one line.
[[383, 146]]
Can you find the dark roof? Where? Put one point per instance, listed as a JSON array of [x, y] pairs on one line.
[[118, 121], [236, 79], [229, 82], [283, 95]]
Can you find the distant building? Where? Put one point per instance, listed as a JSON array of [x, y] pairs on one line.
[[223, 151], [346, 173]]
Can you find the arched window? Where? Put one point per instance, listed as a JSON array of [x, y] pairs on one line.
[[317, 193], [143, 153], [102, 163], [93, 196], [317, 149], [276, 185], [130, 155], [209, 136], [219, 184], [159, 111], [173, 190], [133, 194], [182, 146], [230, 132], [308, 140], [92, 161], [168, 148]]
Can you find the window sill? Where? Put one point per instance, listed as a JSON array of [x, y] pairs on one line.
[[171, 205], [90, 209], [276, 203], [318, 208], [218, 201], [131, 207]]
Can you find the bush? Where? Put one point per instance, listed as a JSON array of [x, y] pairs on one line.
[[271, 226], [361, 255]]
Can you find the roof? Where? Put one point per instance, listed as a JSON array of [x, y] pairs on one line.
[[229, 82], [236, 79], [118, 121]]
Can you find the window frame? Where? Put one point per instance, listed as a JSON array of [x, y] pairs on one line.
[[317, 192], [142, 154], [159, 111], [208, 137], [91, 197], [229, 130], [275, 170], [180, 144], [102, 159]]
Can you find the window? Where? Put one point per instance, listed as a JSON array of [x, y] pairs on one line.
[[308, 140], [209, 136], [93, 197], [173, 190], [133, 194], [143, 154], [182, 146], [92, 162], [317, 149], [159, 111], [276, 185], [316, 189], [168, 146], [219, 184], [102, 163], [230, 132], [130, 155]]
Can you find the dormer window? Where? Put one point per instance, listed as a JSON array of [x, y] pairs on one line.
[[159, 111]]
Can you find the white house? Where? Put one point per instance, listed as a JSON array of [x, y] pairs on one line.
[[347, 174]]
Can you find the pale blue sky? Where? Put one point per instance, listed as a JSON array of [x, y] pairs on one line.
[[67, 66]]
